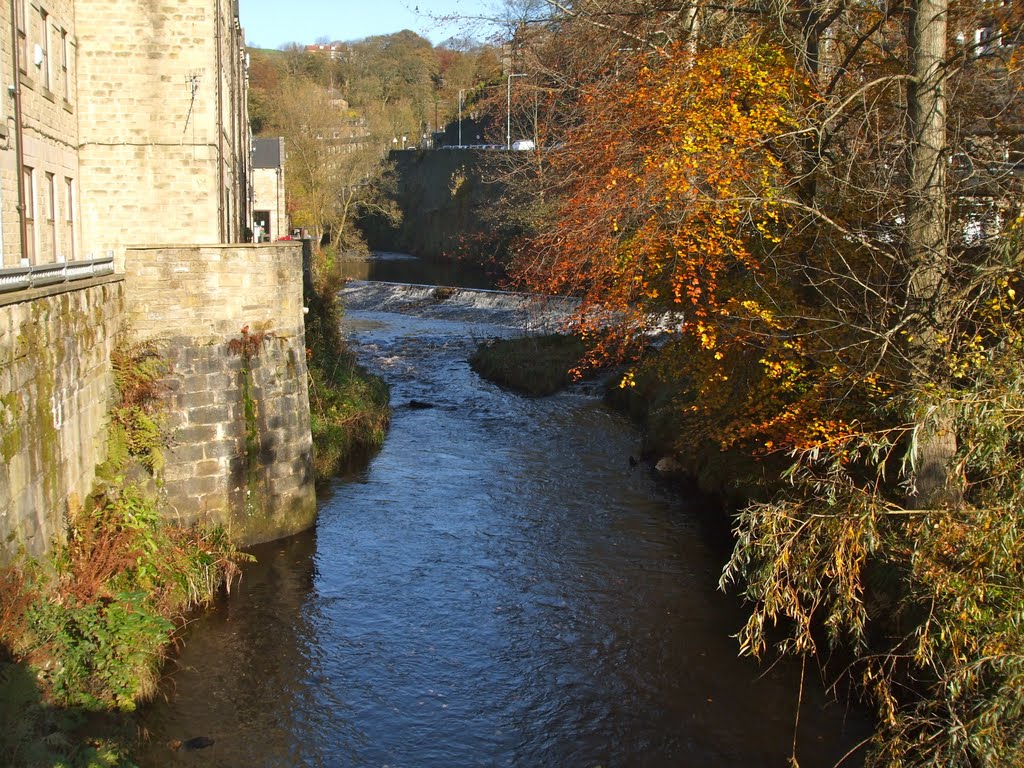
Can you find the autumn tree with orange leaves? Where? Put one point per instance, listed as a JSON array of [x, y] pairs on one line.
[[811, 199]]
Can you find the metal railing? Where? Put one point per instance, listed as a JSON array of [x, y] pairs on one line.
[[39, 275]]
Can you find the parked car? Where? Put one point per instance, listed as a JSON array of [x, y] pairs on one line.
[[523, 144]]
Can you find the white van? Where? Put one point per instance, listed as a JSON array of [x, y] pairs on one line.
[[523, 144]]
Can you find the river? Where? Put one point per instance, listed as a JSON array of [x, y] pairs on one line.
[[499, 587]]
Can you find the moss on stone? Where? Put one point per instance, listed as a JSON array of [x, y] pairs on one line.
[[10, 430]]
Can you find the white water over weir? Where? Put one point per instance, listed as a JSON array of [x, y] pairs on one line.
[[505, 308]]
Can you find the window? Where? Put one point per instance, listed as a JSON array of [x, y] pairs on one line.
[[983, 40], [49, 249], [44, 45], [19, 13], [262, 221], [29, 192], [68, 241], [64, 56]]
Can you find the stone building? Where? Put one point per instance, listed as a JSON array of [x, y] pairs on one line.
[[39, 169], [125, 203], [164, 137], [125, 123], [268, 188]]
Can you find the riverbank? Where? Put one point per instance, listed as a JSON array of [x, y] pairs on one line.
[[349, 407], [84, 631], [536, 365]]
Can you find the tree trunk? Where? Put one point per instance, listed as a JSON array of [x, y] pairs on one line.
[[926, 243]]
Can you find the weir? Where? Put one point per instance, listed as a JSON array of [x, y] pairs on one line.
[[504, 308]]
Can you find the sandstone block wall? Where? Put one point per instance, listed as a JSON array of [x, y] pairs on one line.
[[164, 145], [55, 384], [243, 453]]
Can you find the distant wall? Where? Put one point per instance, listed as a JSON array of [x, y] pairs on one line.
[[55, 384], [442, 194], [243, 452]]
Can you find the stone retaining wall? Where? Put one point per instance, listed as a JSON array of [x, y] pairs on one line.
[[443, 196], [229, 320], [239, 399], [55, 385]]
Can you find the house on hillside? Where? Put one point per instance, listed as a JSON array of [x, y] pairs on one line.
[[268, 204], [332, 51]]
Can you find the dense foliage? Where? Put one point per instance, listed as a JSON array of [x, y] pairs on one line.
[[86, 629], [821, 204]]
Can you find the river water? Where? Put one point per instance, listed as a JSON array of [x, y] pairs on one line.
[[500, 587]]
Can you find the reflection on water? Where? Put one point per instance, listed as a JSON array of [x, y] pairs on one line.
[[389, 267], [498, 588]]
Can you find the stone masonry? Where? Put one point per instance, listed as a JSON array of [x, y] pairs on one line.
[[55, 384], [123, 136], [164, 144], [243, 450]]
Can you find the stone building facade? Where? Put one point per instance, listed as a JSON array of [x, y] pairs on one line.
[[124, 123], [125, 202], [164, 142], [39, 169]]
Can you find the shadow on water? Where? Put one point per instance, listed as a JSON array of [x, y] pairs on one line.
[[243, 668], [389, 267]]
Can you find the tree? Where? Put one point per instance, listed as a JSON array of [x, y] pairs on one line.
[[777, 175], [926, 242], [327, 170]]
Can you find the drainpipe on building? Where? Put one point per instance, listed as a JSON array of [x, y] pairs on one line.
[[19, 137], [220, 129]]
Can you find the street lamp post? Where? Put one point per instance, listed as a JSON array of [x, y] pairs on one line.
[[508, 109], [461, 91]]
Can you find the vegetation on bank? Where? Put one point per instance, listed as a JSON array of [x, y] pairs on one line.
[[349, 411], [531, 365], [837, 234], [83, 631], [540, 365]]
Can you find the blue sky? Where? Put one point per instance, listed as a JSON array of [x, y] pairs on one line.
[[272, 23]]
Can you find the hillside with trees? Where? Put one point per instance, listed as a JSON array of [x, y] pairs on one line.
[[342, 106]]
